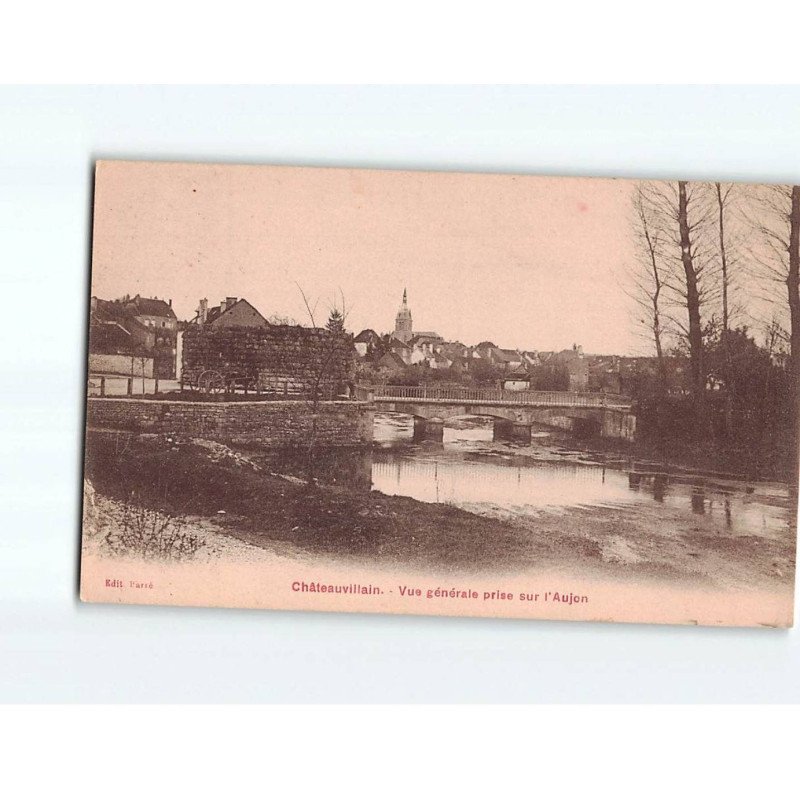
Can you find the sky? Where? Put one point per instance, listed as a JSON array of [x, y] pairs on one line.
[[526, 262]]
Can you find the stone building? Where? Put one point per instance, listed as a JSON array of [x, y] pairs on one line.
[[403, 326], [158, 316], [577, 366], [231, 312], [122, 343], [366, 342]]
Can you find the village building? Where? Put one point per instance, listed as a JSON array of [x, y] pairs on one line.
[[516, 381], [513, 369], [507, 359], [577, 367], [404, 328], [122, 343], [453, 350], [604, 374], [391, 363], [157, 315], [484, 351], [403, 350], [366, 342], [439, 361], [461, 364], [112, 323], [231, 312], [427, 337]]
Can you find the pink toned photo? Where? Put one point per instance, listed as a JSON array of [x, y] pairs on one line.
[[442, 393]]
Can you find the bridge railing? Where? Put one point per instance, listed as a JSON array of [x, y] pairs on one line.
[[474, 395]]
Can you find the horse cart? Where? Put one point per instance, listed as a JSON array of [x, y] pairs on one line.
[[214, 381]]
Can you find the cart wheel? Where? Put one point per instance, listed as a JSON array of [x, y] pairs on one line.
[[212, 382]]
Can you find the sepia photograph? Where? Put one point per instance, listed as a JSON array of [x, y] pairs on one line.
[[442, 393]]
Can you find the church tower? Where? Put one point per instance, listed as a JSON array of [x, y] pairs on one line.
[[402, 324]]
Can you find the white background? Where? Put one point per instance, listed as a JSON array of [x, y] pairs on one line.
[[52, 648]]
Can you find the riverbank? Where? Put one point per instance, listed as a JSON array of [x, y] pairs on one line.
[[243, 497], [722, 460]]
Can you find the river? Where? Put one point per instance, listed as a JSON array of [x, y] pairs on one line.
[[471, 471], [554, 473]]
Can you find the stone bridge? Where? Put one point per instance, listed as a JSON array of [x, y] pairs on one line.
[[514, 412]]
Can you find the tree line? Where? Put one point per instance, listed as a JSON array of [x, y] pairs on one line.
[[716, 285]]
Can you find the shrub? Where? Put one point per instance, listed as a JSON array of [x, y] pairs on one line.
[[152, 534]]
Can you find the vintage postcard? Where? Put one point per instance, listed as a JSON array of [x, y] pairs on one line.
[[442, 393]]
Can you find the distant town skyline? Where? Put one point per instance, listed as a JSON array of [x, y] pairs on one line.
[[525, 262]]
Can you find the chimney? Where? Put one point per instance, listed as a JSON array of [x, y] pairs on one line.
[[170, 302], [202, 311], [229, 301]]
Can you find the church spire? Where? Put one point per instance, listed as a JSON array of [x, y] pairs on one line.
[[402, 324]]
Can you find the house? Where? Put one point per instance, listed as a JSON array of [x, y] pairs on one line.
[[430, 337], [497, 356], [401, 349], [438, 361], [231, 312], [118, 343], [158, 316], [421, 350], [530, 358], [366, 342], [391, 363], [483, 351], [452, 350], [461, 364], [577, 366], [507, 359], [106, 316], [151, 311], [517, 380]]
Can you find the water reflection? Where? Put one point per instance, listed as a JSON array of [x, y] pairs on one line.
[[351, 467], [468, 470], [698, 500]]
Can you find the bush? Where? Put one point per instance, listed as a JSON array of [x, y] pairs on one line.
[[152, 534]]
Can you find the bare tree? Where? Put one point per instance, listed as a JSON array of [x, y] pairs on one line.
[[723, 196], [723, 200], [774, 215], [645, 283], [683, 212], [279, 319], [692, 292]]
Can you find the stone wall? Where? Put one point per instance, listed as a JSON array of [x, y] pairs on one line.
[[282, 356], [110, 364], [266, 423]]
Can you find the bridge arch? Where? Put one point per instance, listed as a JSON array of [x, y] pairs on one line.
[[444, 412], [580, 412]]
